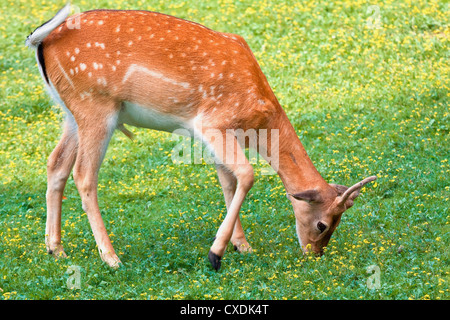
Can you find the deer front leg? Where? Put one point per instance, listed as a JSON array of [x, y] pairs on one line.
[[228, 182], [59, 166], [229, 154], [94, 134]]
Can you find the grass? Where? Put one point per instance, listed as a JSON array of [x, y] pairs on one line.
[[363, 101]]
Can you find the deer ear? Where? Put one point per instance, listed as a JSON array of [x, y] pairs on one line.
[[340, 189], [308, 196]]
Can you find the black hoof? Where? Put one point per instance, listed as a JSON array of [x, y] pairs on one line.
[[214, 259]]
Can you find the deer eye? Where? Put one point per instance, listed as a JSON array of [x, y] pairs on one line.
[[321, 226]]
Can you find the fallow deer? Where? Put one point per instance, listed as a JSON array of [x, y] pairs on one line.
[[152, 70]]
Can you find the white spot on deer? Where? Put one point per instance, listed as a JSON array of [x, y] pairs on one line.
[[224, 62], [231, 75], [76, 69], [82, 66], [88, 44], [130, 43], [77, 50], [170, 56], [90, 74], [220, 75], [85, 94], [131, 29], [139, 38], [100, 22], [118, 62], [68, 53], [113, 68], [95, 65], [102, 81], [117, 28], [72, 58], [71, 71], [151, 36], [118, 53], [102, 45]]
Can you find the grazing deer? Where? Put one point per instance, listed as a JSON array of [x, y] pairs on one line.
[[156, 71]]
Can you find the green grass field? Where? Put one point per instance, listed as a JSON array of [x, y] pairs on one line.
[[366, 90]]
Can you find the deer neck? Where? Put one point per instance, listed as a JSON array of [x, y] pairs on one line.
[[295, 168]]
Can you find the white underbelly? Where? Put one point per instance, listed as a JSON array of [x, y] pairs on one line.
[[145, 117]]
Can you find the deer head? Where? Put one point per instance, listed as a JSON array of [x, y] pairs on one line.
[[318, 212]]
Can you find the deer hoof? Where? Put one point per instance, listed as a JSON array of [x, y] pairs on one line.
[[243, 248], [57, 252], [111, 259], [215, 260]]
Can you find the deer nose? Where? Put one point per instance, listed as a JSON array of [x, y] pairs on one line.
[[309, 249]]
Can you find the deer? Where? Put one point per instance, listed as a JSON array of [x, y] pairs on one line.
[[152, 70]]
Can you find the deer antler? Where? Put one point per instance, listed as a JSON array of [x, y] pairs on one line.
[[346, 195]]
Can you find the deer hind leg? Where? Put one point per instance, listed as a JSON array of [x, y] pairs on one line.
[[228, 182], [59, 166], [94, 133], [229, 154]]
